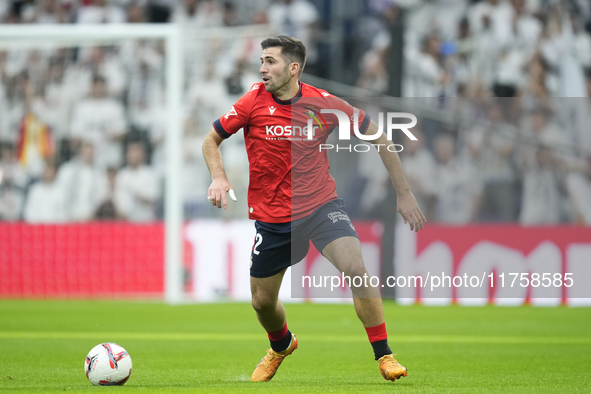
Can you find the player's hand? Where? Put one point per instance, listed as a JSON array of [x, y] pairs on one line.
[[410, 211], [216, 194]]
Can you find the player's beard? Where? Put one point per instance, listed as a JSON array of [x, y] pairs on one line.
[[281, 81]]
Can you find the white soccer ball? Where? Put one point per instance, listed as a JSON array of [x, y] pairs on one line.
[[107, 364]]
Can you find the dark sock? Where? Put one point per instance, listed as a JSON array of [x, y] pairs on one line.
[[381, 348], [280, 339], [378, 337], [281, 344]]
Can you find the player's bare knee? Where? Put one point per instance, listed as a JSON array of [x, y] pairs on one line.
[[263, 302], [354, 269]]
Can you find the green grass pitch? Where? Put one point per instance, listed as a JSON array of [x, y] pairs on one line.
[[213, 348]]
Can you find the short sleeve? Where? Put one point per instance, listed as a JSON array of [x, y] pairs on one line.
[[236, 118], [363, 119]]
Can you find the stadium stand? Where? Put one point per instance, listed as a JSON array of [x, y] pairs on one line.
[[497, 67]]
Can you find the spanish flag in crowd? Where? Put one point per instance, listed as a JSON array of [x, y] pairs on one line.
[[34, 139]]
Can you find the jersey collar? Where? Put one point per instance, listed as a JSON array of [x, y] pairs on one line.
[[292, 100]]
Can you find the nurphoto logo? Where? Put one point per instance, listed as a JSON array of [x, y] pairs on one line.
[[345, 130]]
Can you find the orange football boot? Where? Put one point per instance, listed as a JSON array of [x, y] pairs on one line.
[[269, 365], [390, 368]]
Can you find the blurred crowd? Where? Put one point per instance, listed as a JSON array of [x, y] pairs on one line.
[[500, 160], [501, 48], [82, 129]]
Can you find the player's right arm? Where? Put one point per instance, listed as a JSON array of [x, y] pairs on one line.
[[216, 193], [233, 121]]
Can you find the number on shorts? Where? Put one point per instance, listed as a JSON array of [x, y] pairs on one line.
[[259, 240]]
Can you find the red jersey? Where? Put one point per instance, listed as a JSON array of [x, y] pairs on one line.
[[289, 174]]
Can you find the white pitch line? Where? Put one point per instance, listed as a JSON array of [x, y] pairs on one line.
[[172, 336]]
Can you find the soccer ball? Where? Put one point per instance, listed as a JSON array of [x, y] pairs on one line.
[[108, 364]]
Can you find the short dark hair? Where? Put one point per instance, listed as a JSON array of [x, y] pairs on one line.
[[292, 49]]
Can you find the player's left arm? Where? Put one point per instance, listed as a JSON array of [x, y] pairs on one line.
[[406, 202]]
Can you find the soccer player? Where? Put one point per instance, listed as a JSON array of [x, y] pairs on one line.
[[287, 215]]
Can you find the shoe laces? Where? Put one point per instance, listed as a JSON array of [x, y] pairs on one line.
[[391, 360], [271, 354]]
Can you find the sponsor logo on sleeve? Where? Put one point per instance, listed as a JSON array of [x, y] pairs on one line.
[[232, 111]]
